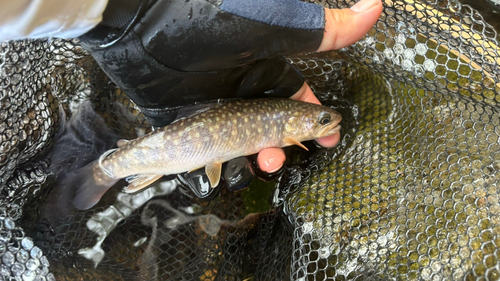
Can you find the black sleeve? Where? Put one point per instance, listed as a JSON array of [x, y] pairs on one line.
[[173, 53]]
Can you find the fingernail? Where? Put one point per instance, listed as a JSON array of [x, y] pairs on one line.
[[364, 5], [270, 160], [269, 163]]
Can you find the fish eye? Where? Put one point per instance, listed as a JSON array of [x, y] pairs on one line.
[[324, 118]]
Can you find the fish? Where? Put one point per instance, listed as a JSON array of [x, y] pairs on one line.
[[205, 139]]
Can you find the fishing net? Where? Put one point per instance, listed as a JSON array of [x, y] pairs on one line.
[[410, 193]]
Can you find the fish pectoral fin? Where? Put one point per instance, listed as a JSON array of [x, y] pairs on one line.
[[139, 182], [213, 172], [121, 142], [290, 141]]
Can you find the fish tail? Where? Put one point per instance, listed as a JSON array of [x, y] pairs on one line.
[[92, 182]]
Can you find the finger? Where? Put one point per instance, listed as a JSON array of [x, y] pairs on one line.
[[346, 26], [329, 141], [306, 94], [270, 160]]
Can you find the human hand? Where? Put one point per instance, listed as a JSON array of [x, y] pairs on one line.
[[175, 53], [342, 28]]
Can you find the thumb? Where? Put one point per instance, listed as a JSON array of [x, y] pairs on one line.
[[346, 26]]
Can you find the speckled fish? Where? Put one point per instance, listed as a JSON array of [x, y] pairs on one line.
[[206, 139]]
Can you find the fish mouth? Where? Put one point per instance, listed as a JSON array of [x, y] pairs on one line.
[[335, 129], [330, 130]]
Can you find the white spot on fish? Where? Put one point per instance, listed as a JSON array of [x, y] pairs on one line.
[[197, 134], [176, 142], [246, 119], [259, 130], [238, 114]]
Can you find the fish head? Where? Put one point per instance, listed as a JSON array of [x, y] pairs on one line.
[[312, 121]]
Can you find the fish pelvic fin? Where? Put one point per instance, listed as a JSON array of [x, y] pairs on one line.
[[139, 182], [213, 172], [291, 141], [92, 182]]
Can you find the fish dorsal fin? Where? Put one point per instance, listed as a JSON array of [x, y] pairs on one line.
[[121, 143], [188, 111], [291, 141], [139, 182], [213, 172]]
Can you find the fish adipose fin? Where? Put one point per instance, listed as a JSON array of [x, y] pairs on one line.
[[139, 182], [213, 172], [92, 183], [289, 141]]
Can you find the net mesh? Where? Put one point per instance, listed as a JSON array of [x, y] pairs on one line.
[[410, 193]]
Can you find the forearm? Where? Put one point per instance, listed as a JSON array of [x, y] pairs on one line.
[[48, 18]]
